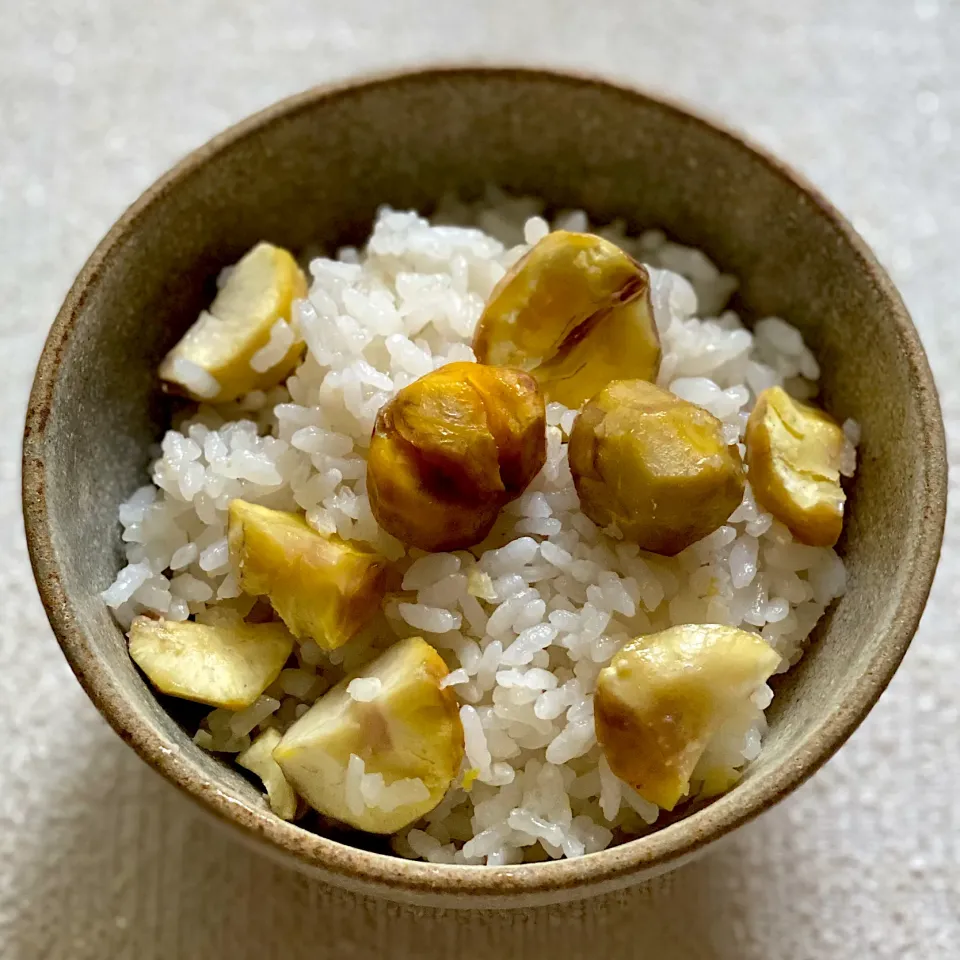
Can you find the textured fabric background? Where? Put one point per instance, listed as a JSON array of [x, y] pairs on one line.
[[98, 858]]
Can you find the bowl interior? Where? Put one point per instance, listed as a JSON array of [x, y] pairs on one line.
[[312, 172]]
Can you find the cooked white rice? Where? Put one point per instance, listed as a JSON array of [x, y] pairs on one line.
[[526, 624]]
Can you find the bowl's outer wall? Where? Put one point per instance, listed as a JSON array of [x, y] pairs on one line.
[[313, 172]]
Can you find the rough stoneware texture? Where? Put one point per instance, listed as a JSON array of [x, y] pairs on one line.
[[313, 170]]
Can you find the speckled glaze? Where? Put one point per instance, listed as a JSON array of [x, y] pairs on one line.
[[313, 169]]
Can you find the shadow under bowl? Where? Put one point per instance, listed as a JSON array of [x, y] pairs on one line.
[[311, 171]]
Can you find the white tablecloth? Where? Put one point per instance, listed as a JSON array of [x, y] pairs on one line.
[[98, 858]]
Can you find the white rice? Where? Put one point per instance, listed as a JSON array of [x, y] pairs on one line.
[[365, 790], [364, 689], [527, 625]]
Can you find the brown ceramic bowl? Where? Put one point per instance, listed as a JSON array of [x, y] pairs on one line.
[[313, 169]]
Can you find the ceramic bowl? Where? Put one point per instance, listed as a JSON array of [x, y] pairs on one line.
[[312, 170]]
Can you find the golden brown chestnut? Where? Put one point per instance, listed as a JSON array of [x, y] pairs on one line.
[[794, 454], [655, 465], [575, 312], [449, 450]]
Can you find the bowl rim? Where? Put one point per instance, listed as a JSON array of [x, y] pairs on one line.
[[473, 885]]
